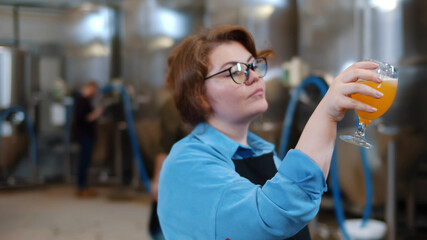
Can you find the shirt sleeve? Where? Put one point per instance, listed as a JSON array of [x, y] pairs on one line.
[[222, 205], [279, 209]]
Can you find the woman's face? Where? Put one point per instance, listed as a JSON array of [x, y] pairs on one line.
[[231, 102]]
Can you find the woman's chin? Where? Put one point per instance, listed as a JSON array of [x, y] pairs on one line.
[[260, 109], [263, 106]]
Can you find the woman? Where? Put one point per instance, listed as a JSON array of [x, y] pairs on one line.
[[223, 182]]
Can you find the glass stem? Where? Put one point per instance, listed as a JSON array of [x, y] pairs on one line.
[[361, 128]]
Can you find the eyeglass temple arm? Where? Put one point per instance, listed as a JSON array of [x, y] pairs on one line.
[[216, 74]]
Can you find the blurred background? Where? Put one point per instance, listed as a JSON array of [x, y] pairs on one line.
[[50, 48]]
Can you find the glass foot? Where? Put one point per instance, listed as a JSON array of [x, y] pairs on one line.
[[356, 141]]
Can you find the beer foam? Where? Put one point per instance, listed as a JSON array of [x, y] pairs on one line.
[[385, 78]]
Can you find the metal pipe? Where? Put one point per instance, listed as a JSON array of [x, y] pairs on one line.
[[391, 191], [16, 37], [367, 31]]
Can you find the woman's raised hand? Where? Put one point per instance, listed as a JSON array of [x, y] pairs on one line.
[[337, 100]]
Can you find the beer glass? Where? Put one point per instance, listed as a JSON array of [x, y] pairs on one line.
[[389, 75]]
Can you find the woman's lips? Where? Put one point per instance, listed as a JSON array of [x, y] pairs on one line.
[[257, 92]]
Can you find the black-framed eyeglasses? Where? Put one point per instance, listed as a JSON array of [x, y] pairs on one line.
[[239, 72]]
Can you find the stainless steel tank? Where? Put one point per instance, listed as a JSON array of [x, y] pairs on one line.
[[18, 77], [18, 86]]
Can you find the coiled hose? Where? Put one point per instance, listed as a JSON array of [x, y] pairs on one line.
[[127, 106], [336, 193]]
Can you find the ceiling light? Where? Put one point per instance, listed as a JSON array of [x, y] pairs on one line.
[[263, 11], [384, 5]]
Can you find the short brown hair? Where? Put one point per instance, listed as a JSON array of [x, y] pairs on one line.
[[92, 84], [188, 66]]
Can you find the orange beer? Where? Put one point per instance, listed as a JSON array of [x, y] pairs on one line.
[[388, 87]]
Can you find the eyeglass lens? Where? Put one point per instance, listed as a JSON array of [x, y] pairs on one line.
[[240, 72]]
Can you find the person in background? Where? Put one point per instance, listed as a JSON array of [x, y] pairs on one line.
[[84, 117], [172, 129], [223, 182]]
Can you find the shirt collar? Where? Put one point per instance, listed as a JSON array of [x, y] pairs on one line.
[[227, 146]]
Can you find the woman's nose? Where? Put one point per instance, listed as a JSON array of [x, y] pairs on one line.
[[253, 77]]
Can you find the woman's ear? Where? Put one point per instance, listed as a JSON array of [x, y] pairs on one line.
[[205, 104]]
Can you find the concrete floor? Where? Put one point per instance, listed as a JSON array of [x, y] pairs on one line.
[[53, 212]]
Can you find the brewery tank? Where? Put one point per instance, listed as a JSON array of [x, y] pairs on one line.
[[19, 86], [18, 78]]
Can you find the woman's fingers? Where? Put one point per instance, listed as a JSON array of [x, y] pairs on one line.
[[350, 103], [353, 88], [352, 75], [364, 64], [338, 98]]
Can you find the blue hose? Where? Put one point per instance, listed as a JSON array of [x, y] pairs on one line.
[[69, 109], [336, 193], [292, 106], [368, 186], [336, 196], [127, 105], [30, 129]]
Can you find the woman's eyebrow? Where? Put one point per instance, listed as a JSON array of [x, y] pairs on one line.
[[228, 63], [234, 62]]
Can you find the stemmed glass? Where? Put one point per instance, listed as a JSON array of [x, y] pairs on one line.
[[389, 75]]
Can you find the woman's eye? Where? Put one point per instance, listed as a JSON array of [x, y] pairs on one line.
[[235, 73]]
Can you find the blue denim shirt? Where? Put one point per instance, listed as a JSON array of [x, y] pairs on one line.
[[201, 196]]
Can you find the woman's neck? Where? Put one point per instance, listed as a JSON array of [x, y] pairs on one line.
[[236, 131]]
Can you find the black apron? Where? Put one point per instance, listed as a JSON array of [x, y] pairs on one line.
[[258, 170]]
